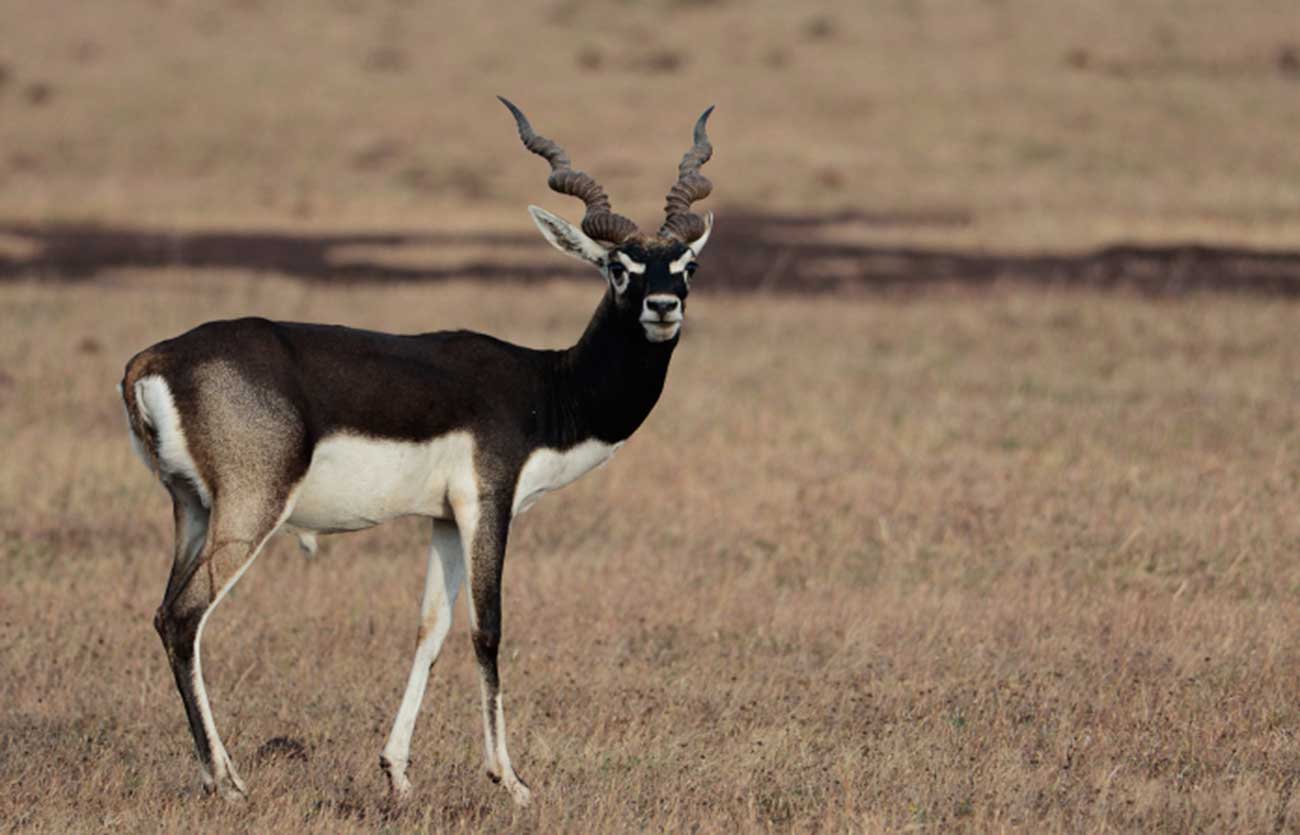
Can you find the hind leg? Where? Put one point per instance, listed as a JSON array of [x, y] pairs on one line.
[[191, 518], [201, 576]]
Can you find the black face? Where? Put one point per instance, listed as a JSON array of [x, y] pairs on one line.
[[651, 284]]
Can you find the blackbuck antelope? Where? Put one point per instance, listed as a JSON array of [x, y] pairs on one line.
[[256, 427]]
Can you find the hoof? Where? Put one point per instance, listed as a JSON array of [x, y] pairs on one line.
[[399, 788], [231, 789], [233, 794], [518, 789], [229, 785], [520, 793]]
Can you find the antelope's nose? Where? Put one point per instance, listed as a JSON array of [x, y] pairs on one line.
[[664, 306]]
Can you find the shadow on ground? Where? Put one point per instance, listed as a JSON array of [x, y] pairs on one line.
[[750, 251]]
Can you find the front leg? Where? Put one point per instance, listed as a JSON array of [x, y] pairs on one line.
[[484, 526], [442, 581]]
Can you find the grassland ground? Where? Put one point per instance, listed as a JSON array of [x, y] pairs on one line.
[[1011, 557], [1017, 559]]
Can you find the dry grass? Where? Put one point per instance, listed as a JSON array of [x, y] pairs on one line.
[[1017, 561], [1050, 124], [1010, 561]]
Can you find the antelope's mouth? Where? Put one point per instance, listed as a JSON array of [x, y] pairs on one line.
[[659, 330]]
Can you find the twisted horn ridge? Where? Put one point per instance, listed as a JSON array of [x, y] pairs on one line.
[[681, 223], [600, 222]]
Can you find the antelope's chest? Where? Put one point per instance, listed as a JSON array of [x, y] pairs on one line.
[[550, 469]]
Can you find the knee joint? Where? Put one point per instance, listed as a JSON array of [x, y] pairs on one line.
[[487, 640], [486, 644], [175, 628]]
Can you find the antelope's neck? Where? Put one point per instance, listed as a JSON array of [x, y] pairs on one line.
[[608, 382]]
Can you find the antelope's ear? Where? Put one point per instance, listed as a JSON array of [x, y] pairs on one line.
[[568, 238], [697, 245]]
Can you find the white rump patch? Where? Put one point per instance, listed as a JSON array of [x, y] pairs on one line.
[[356, 482], [548, 469], [158, 411]]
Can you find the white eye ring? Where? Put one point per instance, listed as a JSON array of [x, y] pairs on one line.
[[618, 277]]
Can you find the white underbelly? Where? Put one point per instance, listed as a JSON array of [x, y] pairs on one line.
[[549, 469], [356, 482]]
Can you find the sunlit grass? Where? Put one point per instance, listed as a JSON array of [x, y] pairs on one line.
[[1016, 560]]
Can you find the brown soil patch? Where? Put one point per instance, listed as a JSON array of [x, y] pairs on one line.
[[752, 251]]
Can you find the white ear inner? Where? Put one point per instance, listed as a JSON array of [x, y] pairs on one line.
[[566, 237], [632, 266]]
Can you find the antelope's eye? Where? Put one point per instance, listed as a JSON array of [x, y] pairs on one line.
[[691, 268], [616, 270]]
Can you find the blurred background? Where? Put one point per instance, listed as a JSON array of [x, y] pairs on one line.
[[1004, 125]]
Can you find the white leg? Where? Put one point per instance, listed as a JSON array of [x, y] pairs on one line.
[[445, 573]]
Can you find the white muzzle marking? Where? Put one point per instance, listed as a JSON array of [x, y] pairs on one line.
[[661, 316]]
